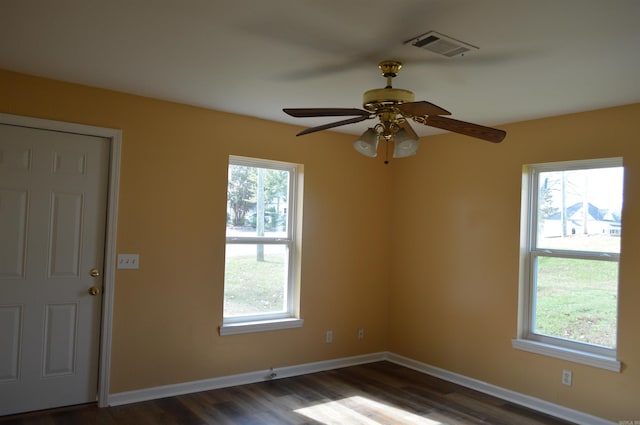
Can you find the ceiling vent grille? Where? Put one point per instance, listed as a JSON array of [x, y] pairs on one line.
[[441, 44]]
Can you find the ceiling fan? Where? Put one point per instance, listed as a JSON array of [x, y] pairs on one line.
[[394, 108]]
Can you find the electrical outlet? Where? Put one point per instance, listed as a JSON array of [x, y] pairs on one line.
[[360, 333], [329, 337], [566, 377]]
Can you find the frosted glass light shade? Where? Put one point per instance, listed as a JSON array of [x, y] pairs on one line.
[[367, 144], [404, 145]]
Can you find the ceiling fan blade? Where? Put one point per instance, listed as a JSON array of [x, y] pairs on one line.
[[474, 130], [331, 125], [409, 130], [325, 112], [421, 109]]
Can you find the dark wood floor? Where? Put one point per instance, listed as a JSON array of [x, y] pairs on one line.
[[373, 394]]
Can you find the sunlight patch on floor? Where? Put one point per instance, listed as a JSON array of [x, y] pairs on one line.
[[359, 410]]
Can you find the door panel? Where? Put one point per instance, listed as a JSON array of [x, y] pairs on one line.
[[13, 228], [53, 189], [10, 327], [66, 221], [15, 158], [61, 322]]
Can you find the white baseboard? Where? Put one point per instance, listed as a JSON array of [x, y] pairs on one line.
[[239, 379], [303, 369], [502, 393]]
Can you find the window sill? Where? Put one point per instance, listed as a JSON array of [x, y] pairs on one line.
[[262, 326], [581, 357]]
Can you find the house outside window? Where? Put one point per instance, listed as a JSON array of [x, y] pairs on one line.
[[260, 279], [569, 282]]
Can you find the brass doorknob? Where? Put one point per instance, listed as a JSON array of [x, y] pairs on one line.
[[94, 290], [94, 273]]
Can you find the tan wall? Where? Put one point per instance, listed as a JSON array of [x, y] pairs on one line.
[[172, 212], [455, 258]]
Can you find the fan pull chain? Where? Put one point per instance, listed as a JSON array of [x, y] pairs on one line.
[[386, 151]]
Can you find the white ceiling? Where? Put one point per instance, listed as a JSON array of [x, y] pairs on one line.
[[537, 58]]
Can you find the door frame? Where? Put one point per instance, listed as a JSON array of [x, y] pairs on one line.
[[115, 146]]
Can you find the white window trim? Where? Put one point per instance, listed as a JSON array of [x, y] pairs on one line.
[[260, 326], [576, 356], [526, 340], [290, 317]]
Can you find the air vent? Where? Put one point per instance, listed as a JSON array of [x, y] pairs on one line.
[[441, 44]]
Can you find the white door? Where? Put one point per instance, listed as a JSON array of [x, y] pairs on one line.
[[53, 189]]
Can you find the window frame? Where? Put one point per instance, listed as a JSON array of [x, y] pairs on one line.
[[289, 318], [527, 339]]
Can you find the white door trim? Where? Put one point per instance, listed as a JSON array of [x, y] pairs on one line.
[[115, 137]]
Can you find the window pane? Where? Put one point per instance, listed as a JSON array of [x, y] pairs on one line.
[[255, 279], [580, 210], [257, 202], [576, 300]]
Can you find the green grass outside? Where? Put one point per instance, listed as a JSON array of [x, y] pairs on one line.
[[254, 287], [577, 300]]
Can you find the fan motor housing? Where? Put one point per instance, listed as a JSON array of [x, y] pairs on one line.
[[373, 99]]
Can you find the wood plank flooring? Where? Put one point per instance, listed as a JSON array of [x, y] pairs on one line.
[[372, 394]]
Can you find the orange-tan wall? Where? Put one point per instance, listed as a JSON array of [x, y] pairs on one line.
[[172, 210], [423, 253], [456, 238]]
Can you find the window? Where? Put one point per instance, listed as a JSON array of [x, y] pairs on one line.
[[572, 221], [260, 288]]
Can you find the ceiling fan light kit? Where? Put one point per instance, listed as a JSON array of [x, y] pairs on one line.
[[393, 108], [367, 144], [404, 145]]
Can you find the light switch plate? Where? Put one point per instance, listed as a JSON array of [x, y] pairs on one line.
[[128, 261]]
